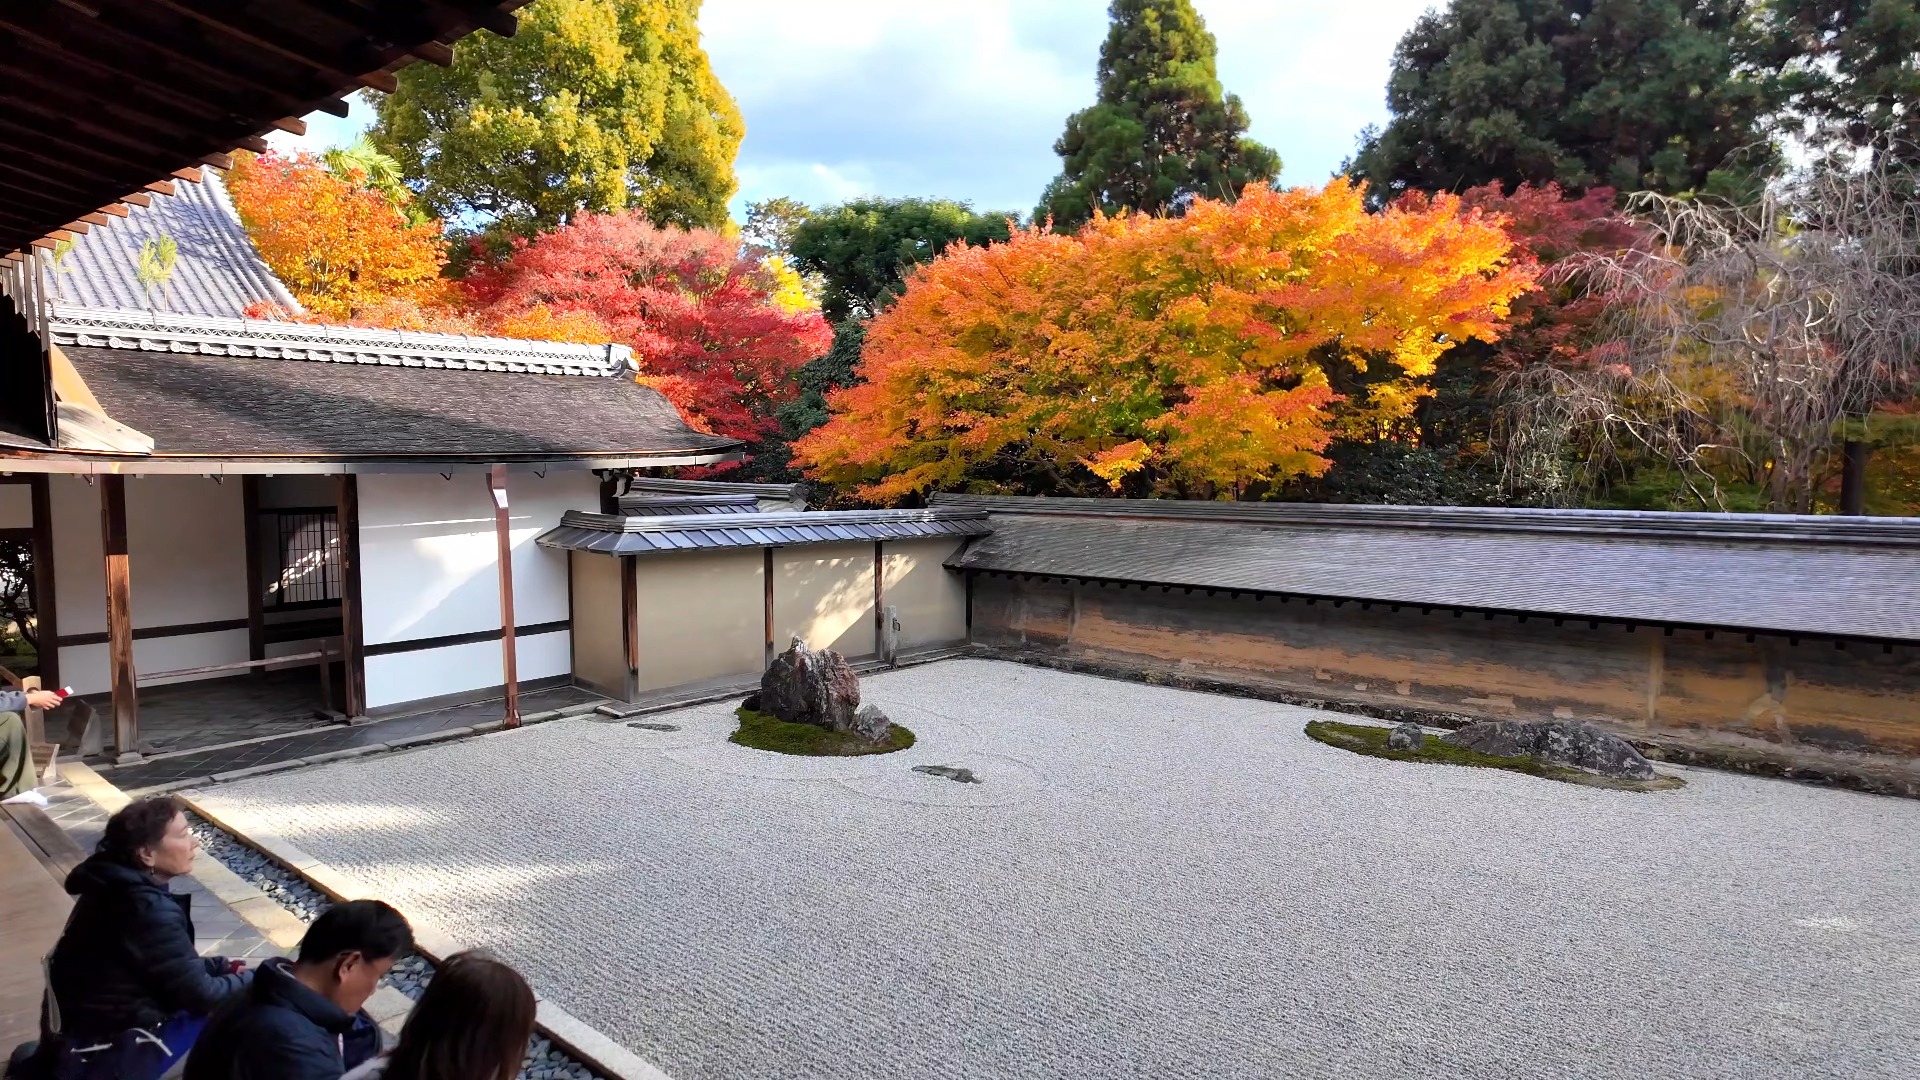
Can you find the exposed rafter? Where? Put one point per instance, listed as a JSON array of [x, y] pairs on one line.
[[109, 98]]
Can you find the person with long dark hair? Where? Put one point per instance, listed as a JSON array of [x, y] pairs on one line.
[[127, 993], [473, 1023]]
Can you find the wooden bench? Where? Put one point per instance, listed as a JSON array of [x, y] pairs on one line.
[[45, 839]]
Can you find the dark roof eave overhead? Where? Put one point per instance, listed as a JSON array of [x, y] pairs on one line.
[[185, 464]]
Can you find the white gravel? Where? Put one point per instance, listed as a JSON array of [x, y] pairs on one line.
[[1149, 883]]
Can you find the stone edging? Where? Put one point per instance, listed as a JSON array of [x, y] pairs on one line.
[[1753, 762], [388, 1006]]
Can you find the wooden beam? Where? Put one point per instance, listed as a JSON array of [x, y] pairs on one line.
[[190, 175], [118, 210], [433, 52], [879, 601], [164, 187], [223, 162], [46, 611], [113, 539], [44, 245], [292, 125], [630, 622], [503, 557], [253, 144], [256, 583], [138, 199], [97, 218], [353, 639], [80, 227], [766, 581], [267, 39]]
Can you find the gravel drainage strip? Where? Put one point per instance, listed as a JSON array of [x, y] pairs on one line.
[[410, 975]]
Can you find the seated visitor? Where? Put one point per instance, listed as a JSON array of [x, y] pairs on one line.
[[473, 1023], [302, 1019], [16, 757], [126, 991]]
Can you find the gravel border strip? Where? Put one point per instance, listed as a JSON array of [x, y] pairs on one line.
[[552, 1054], [563, 1048]]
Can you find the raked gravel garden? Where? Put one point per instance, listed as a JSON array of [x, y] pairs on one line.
[[1146, 882]]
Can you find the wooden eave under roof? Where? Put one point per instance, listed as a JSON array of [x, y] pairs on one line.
[[103, 100]]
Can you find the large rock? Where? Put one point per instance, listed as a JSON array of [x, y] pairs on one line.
[[1406, 737], [1558, 742], [802, 686]]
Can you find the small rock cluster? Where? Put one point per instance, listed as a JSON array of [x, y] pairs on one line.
[[1558, 742], [1407, 737], [804, 686], [410, 975]]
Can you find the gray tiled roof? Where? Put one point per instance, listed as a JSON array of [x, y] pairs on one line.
[[1817, 576], [616, 534], [771, 496], [229, 407], [688, 505], [217, 272]]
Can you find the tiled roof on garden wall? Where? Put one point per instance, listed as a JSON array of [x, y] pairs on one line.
[[619, 534], [1841, 577]]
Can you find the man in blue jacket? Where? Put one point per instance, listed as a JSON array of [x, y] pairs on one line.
[[302, 1018]]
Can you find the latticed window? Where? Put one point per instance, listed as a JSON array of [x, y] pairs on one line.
[[309, 549]]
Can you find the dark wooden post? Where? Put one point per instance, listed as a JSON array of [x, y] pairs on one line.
[[256, 586], [766, 575], [879, 602], [45, 609], [353, 661], [630, 621], [113, 540], [609, 492], [503, 541], [1853, 477]]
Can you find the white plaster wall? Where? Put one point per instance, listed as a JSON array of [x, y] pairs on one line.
[[701, 615], [186, 558], [931, 600], [599, 643], [823, 594], [16, 506], [457, 669], [427, 569]]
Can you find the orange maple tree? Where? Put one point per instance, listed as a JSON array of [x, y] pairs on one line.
[[342, 247], [1197, 353]]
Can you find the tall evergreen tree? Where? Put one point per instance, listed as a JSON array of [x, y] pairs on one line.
[[1628, 94], [1162, 129], [601, 105], [1849, 71]]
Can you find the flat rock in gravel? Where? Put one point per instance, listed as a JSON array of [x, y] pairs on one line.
[[1557, 742]]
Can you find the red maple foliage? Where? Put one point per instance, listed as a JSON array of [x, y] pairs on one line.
[[700, 315], [1555, 324]]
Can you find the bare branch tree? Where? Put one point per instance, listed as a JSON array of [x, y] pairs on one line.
[[1745, 344]]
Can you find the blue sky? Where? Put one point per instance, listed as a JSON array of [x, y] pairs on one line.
[[963, 99]]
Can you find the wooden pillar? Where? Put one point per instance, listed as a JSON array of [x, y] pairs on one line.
[[256, 585], [503, 543], [113, 539], [609, 492], [45, 609], [766, 580], [353, 660], [879, 602], [630, 621]]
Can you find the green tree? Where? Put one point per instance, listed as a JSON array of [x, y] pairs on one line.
[[1629, 94], [1849, 71], [1162, 129], [862, 250], [772, 223], [599, 105]]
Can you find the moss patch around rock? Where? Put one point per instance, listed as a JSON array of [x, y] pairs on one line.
[[1372, 741], [764, 732]]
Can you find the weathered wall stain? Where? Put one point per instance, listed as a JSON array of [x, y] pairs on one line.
[[1641, 680]]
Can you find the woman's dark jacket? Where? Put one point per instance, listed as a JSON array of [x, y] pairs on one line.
[[126, 958]]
